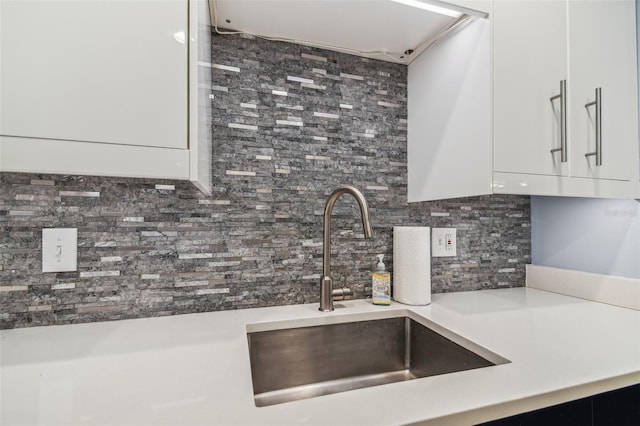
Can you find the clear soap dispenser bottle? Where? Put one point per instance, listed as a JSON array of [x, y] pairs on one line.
[[381, 284]]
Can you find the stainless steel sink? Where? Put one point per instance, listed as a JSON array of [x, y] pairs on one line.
[[292, 361]]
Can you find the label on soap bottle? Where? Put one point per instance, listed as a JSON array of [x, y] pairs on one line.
[[381, 288]]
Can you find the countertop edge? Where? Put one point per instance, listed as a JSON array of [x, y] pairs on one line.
[[536, 402]]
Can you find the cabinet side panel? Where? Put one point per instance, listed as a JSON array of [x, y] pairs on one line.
[[200, 88], [449, 132]]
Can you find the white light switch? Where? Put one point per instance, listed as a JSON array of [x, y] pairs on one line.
[[443, 242], [59, 249]]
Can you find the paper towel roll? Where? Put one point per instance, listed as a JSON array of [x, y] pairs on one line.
[[412, 265]]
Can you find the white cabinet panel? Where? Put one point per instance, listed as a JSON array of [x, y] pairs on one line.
[[449, 131], [108, 71], [602, 55], [530, 49]]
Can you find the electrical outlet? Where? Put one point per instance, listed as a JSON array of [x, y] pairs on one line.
[[443, 242], [59, 249]]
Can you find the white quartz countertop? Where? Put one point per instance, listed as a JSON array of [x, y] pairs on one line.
[[194, 369]]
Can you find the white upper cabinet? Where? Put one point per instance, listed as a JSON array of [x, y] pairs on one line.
[[602, 53], [582, 47], [547, 58], [97, 87], [530, 61], [96, 71]]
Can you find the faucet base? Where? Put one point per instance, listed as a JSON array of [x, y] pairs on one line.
[[326, 294]]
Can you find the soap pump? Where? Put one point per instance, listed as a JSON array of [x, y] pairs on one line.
[[381, 284]]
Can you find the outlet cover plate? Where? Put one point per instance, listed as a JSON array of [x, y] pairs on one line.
[[59, 249], [443, 242]]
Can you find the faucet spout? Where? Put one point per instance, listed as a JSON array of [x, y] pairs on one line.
[[326, 283]]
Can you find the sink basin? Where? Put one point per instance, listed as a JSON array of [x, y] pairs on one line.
[[298, 360]]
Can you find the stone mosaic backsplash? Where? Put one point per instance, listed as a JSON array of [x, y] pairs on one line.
[[289, 124]]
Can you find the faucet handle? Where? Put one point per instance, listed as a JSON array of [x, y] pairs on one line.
[[341, 293]]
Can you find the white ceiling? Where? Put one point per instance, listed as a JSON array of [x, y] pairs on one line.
[[361, 27]]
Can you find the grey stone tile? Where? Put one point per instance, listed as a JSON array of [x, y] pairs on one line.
[[159, 247]]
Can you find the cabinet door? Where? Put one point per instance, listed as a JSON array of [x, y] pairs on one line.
[[602, 55], [103, 71], [530, 60], [450, 117]]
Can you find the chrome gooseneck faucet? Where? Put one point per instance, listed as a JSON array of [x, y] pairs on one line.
[[326, 283]]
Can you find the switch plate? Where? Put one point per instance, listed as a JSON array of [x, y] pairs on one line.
[[59, 249], [443, 242]]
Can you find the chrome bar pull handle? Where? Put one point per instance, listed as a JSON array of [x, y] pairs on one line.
[[563, 120], [598, 104]]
